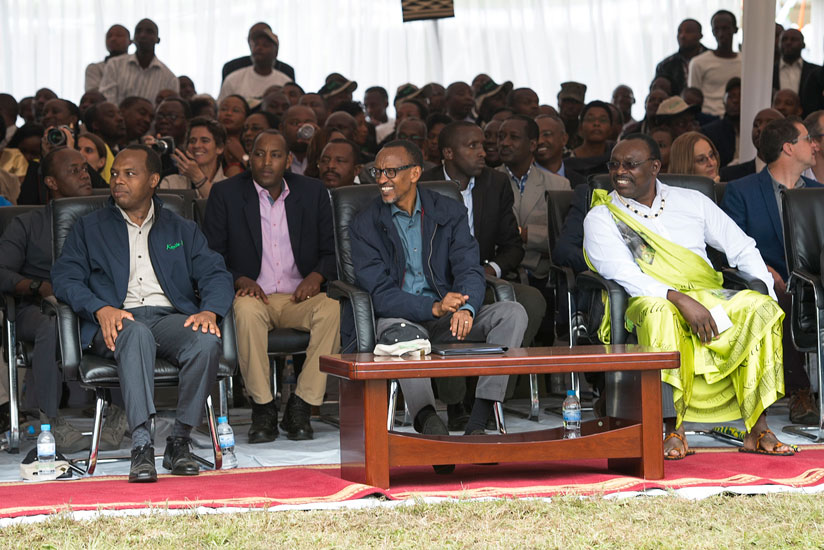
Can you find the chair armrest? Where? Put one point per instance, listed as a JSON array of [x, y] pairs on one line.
[[589, 281], [810, 279], [736, 279], [565, 274], [362, 312], [68, 335], [502, 290], [9, 307], [229, 338]]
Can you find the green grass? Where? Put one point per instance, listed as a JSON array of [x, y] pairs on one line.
[[763, 521]]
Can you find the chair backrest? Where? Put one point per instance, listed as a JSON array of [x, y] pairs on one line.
[[8, 213], [200, 211], [720, 189], [558, 205], [67, 211], [803, 229], [189, 197], [698, 183], [348, 201]]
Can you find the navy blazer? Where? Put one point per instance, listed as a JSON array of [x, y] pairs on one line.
[[93, 268], [750, 202], [232, 225], [451, 258]]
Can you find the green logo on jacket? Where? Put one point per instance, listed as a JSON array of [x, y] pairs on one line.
[[172, 246]]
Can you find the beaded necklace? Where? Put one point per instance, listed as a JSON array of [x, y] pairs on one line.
[[637, 213]]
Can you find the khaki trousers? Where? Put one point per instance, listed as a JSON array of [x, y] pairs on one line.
[[319, 315]]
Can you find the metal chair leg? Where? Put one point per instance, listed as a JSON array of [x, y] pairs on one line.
[[499, 417], [14, 414], [535, 400], [393, 402], [223, 394], [815, 433], [100, 407], [217, 452]]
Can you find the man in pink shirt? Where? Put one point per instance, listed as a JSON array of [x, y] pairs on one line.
[[274, 230]]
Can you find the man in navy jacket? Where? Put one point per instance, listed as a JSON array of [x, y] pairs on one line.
[[144, 283], [413, 252], [275, 231], [753, 203]]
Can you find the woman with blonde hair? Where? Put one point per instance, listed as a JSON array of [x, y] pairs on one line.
[[694, 153]]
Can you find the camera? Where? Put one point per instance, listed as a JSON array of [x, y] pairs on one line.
[[56, 137], [164, 145], [306, 132]]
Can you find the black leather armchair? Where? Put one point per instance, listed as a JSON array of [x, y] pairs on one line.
[[803, 245], [17, 353], [100, 374], [356, 303]]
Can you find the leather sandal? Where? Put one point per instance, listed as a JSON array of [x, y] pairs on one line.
[[682, 453], [759, 450]]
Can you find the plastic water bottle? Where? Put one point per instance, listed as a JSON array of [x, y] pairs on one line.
[[572, 416], [45, 453], [226, 437]]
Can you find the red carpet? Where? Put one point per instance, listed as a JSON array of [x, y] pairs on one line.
[[261, 487]]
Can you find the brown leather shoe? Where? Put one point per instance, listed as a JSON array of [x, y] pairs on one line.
[[803, 409]]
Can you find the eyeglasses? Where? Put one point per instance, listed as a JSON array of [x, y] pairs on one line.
[[628, 165], [705, 159], [808, 138], [171, 117], [388, 172]]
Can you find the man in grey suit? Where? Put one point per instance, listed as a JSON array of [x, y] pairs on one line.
[[517, 141]]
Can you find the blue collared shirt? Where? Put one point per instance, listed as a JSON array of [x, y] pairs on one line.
[[561, 171], [409, 230], [520, 181]]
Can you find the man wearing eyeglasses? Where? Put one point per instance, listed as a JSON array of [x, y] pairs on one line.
[[413, 252], [651, 239], [754, 202], [274, 230]]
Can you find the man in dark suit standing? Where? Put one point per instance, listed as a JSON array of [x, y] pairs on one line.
[[246, 61], [488, 198], [274, 229], [790, 72], [754, 203]]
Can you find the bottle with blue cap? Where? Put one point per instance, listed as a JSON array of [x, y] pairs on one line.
[[45, 453], [226, 437], [572, 415]]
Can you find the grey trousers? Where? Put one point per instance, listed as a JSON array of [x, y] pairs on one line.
[[159, 332], [33, 326], [501, 323], [453, 390]]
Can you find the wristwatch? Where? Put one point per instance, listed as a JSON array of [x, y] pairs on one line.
[[34, 287]]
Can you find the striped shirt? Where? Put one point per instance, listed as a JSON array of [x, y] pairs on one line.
[[124, 77]]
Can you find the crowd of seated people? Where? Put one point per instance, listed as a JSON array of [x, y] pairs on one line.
[[266, 152]]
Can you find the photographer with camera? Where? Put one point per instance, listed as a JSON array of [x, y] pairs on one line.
[[201, 164], [171, 124]]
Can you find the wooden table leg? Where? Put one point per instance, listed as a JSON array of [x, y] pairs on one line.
[[641, 402], [651, 425], [364, 441]]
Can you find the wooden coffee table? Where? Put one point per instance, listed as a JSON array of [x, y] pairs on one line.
[[631, 440]]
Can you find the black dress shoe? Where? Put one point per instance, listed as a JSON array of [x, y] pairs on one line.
[[143, 467], [178, 458], [264, 426], [296, 419], [433, 425], [456, 417]]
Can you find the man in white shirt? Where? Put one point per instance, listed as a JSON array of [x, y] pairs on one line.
[[791, 72], [117, 44], [711, 70], [141, 73], [252, 82], [651, 239]]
